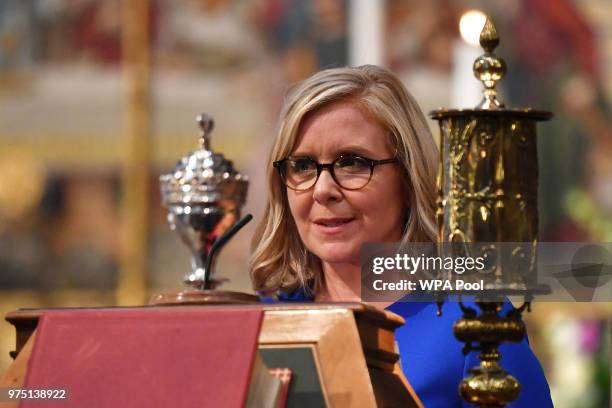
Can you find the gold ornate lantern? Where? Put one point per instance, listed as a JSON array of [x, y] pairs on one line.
[[487, 200]]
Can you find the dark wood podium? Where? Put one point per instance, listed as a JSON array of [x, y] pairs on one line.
[[342, 354]]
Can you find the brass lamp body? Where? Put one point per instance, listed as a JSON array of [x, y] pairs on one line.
[[487, 188]]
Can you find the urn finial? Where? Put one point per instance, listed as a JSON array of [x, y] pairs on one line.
[[207, 124], [489, 68]]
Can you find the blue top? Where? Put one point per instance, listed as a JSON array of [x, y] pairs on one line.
[[434, 364]]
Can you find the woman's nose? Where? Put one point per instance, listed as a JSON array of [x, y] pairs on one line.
[[326, 189]]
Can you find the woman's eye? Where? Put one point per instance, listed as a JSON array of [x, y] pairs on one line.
[[301, 165], [353, 163]]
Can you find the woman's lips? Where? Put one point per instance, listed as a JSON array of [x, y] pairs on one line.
[[334, 225]]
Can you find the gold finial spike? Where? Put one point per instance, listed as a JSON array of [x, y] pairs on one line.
[[489, 68], [489, 40], [207, 124]]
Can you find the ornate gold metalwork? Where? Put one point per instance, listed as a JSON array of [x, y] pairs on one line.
[[487, 194], [487, 185], [489, 68], [489, 385]]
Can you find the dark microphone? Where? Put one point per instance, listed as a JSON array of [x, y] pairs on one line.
[[220, 242]]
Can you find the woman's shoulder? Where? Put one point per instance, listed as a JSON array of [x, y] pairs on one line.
[[300, 294]]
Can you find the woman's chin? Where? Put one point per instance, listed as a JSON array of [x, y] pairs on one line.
[[338, 254]]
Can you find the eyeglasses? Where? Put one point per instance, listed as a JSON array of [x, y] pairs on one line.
[[349, 171]]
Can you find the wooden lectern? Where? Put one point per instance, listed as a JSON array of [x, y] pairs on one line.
[[340, 354]]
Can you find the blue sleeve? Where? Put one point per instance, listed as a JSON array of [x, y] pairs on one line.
[[297, 295], [268, 299]]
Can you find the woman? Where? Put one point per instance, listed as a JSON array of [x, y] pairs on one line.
[[354, 162]]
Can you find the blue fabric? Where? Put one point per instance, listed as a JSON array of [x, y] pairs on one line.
[[432, 360]]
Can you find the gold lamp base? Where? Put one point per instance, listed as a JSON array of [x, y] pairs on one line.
[[489, 385]]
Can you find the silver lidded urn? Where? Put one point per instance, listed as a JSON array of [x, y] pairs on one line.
[[204, 195]]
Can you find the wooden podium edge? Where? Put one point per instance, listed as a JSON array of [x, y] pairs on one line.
[[14, 376]]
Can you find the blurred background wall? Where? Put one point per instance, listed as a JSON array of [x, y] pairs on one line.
[[88, 85]]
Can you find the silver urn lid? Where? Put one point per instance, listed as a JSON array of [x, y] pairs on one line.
[[203, 177]]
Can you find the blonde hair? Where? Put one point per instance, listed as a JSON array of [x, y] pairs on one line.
[[279, 259]]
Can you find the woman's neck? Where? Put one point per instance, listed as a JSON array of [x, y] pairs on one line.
[[341, 283]]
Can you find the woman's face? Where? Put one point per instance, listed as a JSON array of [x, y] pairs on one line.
[[334, 222]]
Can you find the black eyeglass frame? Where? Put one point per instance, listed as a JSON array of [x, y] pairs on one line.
[[278, 165]]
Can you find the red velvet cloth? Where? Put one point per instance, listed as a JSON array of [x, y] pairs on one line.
[[146, 357]]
